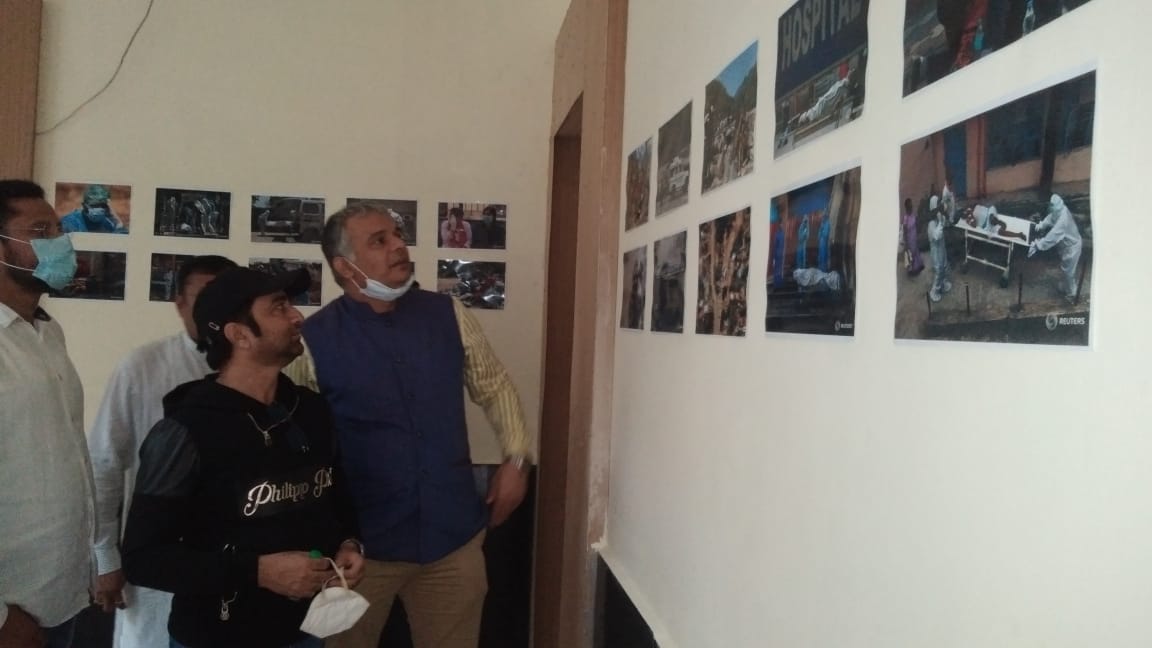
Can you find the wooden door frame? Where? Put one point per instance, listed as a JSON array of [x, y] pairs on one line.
[[19, 78], [589, 68]]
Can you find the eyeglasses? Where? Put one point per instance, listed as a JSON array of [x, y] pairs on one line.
[[43, 230]]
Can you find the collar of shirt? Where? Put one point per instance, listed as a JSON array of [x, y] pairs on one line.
[[9, 316]]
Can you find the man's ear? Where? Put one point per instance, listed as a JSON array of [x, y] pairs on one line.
[[238, 335], [344, 270]]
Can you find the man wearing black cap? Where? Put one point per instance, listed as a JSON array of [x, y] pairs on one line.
[[240, 482]]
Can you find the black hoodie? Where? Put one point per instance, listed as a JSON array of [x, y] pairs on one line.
[[224, 479]]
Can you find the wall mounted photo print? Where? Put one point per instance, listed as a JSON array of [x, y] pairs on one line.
[[402, 211], [193, 213], [730, 121], [722, 299], [638, 186], [822, 55], [668, 283], [287, 219], [99, 275], [97, 208], [942, 36], [162, 276], [273, 266], [482, 226], [812, 257], [477, 284], [673, 146], [996, 224], [634, 279]]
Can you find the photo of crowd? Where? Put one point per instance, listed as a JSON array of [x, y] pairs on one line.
[[477, 284]]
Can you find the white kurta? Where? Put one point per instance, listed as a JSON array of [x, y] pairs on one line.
[[133, 403], [46, 502]]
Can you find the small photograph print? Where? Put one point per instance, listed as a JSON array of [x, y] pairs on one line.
[[402, 211], [730, 121], [96, 208], [996, 229], [943, 36], [812, 257], [99, 275], [638, 186], [822, 54], [287, 219], [279, 266], [162, 277], [673, 146], [477, 284], [722, 301], [668, 283], [634, 279], [193, 213], [481, 226]]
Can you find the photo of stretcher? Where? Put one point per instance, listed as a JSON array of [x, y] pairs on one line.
[[993, 240]]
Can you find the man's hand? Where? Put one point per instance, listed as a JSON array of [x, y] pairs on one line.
[[505, 492], [292, 573], [109, 592], [20, 630], [350, 560]]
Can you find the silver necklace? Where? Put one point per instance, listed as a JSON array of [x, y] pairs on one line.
[[265, 430]]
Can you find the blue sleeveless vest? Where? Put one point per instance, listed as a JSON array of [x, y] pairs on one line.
[[395, 382]]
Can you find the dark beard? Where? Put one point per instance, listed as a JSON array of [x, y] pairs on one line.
[[25, 280]]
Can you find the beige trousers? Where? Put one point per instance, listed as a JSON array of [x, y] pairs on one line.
[[444, 600]]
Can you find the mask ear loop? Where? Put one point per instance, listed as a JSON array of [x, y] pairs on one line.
[[339, 574]]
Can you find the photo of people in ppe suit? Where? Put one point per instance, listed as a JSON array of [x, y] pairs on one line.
[[999, 209], [96, 208]]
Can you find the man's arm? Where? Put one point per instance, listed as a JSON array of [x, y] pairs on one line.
[[111, 445], [154, 554], [490, 387]]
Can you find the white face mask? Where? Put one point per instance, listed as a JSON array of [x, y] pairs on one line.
[[377, 290], [334, 609]]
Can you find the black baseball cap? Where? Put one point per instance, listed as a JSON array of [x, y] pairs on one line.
[[232, 292]]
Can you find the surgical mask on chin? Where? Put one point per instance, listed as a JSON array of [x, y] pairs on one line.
[[55, 260], [377, 290]]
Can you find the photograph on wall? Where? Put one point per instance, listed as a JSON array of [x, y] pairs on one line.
[[477, 284], [311, 297], [99, 275], [634, 278], [811, 281], [668, 267], [638, 186], [822, 56], [97, 208], [730, 121], [996, 224], [673, 144], [402, 211], [942, 36], [162, 276], [478, 225], [722, 299], [193, 213], [287, 219]]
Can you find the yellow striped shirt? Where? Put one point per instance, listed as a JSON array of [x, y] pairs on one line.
[[488, 383]]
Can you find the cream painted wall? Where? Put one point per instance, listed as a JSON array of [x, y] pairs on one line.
[[431, 100], [801, 491]]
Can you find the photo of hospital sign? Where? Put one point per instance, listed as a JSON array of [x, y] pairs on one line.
[[822, 56]]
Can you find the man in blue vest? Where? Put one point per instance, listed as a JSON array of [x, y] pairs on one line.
[[393, 361]]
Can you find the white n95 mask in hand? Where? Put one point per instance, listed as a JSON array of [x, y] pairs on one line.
[[334, 609]]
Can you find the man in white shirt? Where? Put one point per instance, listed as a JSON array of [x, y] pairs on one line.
[[46, 504], [131, 406]]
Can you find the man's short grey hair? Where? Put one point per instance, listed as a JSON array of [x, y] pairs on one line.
[[334, 240]]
